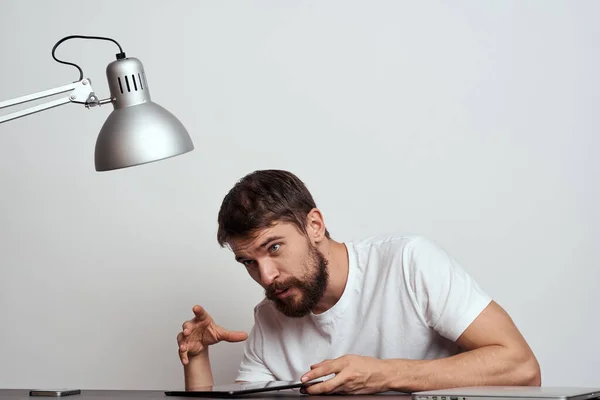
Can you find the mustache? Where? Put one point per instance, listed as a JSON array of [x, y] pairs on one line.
[[276, 286]]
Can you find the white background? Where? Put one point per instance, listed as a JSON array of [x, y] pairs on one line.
[[472, 123]]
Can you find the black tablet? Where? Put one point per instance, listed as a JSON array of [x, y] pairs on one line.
[[238, 388]]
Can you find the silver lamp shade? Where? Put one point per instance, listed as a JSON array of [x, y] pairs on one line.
[[138, 131]]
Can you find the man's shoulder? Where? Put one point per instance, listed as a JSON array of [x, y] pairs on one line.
[[398, 251], [388, 242]]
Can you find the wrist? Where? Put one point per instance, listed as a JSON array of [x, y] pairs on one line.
[[199, 361], [397, 374], [198, 372], [389, 375]]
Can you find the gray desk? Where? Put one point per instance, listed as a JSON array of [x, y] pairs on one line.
[[22, 394]]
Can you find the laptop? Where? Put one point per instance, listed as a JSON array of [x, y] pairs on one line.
[[509, 393]]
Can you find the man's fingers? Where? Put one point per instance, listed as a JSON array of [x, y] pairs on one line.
[[319, 371], [329, 386], [321, 363], [187, 328], [324, 368], [183, 348], [183, 356], [200, 313], [182, 342]]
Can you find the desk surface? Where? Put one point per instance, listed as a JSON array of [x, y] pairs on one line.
[[23, 394]]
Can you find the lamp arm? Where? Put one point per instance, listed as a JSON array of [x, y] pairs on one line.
[[81, 93]]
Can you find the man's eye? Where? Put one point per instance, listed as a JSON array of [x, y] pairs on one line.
[[248, 262], [275, 247]]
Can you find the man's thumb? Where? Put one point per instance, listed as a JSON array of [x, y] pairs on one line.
[[233, 336]]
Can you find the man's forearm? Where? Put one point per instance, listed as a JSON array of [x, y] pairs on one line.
[[491, 365], [197, 372]]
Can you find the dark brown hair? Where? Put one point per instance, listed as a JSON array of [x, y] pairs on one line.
[[261, 199]]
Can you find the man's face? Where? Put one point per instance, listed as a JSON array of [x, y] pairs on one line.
[[287, 265]]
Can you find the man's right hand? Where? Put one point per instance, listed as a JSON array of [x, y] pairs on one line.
[[200, 332]]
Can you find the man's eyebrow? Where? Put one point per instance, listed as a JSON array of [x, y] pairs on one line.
[[263, 244], [270, 239]]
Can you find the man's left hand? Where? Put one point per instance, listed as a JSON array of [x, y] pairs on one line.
[[353, 375]]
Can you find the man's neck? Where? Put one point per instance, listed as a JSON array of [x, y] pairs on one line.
[[336, 255]]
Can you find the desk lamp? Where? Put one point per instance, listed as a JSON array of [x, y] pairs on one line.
[[137, 131]]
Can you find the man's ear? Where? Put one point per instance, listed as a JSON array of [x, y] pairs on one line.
[[315, 226]]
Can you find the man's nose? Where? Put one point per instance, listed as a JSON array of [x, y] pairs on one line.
[[268, 273]]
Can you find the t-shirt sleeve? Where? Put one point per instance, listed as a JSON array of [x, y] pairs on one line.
[[252, 368], [448, 298]]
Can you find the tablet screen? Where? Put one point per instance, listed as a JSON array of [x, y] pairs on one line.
[[237, 388]]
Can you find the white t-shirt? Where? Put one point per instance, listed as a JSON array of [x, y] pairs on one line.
[[405, 297]]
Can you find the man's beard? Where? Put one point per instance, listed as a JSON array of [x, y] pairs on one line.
[[311, 288]]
